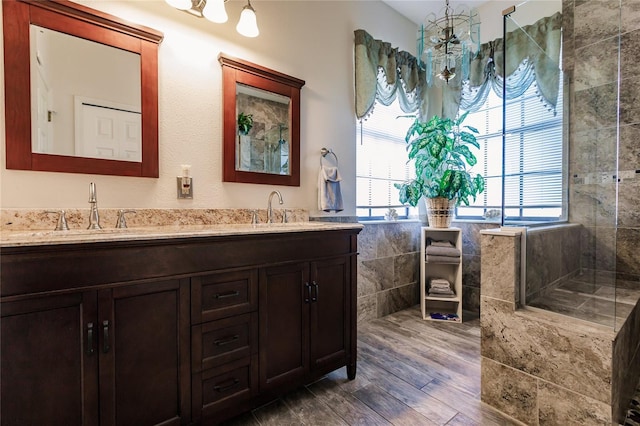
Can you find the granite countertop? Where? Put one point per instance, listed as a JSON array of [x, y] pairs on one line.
[[33, 237]]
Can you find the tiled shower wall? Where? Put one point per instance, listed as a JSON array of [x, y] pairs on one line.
[[595, 31], [553, 254]]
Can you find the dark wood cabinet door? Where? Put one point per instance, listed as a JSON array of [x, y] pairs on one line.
[[329, 312], [49, 361], [284, 299], [144, 354]]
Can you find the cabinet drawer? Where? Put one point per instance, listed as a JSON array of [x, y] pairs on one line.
[[222, 392], [220, 387], [223, 294], [218, 342]]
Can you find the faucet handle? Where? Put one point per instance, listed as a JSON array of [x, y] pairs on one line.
[[122, 222], [254, 217], [285, 219], [62, 220]]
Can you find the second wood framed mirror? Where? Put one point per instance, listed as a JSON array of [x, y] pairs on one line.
[[261, 124]]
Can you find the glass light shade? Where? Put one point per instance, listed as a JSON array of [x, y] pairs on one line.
[[446, 41], [180, 4], [247, 25], [215, 11], [447, 74]]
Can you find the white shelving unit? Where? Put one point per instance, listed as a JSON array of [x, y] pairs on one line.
[[452, 272]]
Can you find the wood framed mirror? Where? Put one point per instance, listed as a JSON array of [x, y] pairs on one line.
[[261, 124], [31, 141]]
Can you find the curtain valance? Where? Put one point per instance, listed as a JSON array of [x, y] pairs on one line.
[[384, 73], [532, 54]]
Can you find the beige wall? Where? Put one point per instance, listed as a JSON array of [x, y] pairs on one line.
[[529, 11], [311, 40]]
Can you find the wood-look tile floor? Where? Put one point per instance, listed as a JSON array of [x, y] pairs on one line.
[[410, 372]]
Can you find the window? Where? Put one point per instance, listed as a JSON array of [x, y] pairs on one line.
[[381, 159], [534, 182]]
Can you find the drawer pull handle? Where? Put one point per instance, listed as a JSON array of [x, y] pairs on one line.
[[308, 288], [105, 336], [227, 295], [90, 349], [233, 384], [226, 341], [314, 298]]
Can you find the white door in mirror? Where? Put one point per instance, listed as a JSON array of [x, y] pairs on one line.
[[107, 131]]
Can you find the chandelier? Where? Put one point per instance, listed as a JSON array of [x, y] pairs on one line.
[[446, 41]]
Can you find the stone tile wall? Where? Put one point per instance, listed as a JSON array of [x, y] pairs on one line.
[[553, 253], [389, 267], [471, 265], [534, 367], [626, 358]]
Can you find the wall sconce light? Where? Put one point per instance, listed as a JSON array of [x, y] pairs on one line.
[[214, 11]]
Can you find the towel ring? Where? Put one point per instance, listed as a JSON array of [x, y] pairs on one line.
[[324, 152]]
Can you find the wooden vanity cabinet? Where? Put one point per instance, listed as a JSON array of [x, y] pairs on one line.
[[110, 357], [175, 331]]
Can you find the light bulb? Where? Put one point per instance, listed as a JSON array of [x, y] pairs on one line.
[[180, 4], [247, 25], [214, 11]]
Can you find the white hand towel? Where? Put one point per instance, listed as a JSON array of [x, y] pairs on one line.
[[329, 193]]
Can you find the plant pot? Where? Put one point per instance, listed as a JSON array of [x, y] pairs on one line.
[[440, 211]]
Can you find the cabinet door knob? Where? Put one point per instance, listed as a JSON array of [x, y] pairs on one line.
[[105, 336], [90, 349], [314, 297]]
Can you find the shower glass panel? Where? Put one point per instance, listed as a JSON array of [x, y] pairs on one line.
[[557, 171], [534, 187]]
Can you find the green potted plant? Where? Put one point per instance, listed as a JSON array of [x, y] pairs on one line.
[[245, 123], [440, 149]]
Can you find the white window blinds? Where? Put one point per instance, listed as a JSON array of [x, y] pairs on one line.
[[381, 160], [534, 158]]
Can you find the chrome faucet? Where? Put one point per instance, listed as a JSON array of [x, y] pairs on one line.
[[94, 217], [62, 220], [122, 221], [269, 209]]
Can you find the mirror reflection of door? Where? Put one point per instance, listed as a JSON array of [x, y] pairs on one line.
[[41, 129], [263, 142], [66, 68], [107, 130]]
